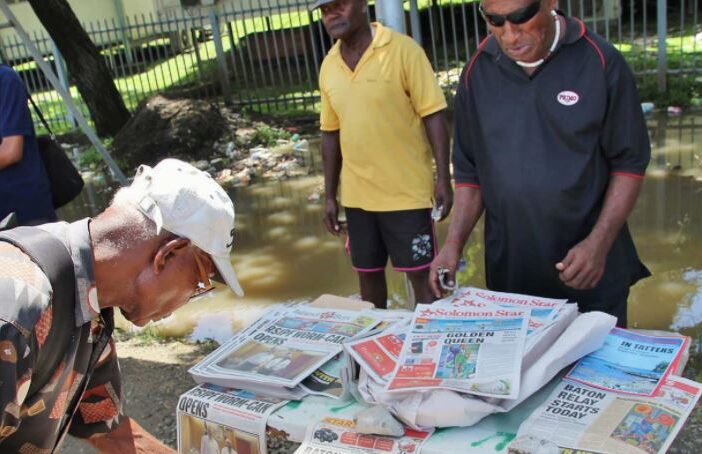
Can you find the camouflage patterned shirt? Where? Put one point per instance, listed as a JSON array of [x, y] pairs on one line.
[[36, 423]]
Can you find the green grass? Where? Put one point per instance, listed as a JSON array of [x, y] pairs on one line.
[[149, 335], [268, 136]]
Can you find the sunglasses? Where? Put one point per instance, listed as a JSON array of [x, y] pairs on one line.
[[517, 17], [205, 284]]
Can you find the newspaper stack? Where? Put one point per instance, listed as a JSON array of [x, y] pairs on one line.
[[289, 352], [472, 342], [623, 398], [471, 355]]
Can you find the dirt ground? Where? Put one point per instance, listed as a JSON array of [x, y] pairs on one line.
[[155, 374]]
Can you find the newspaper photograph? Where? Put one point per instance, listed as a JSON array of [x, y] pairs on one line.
[[580, 417], [378, 354], [337, 436], [287, 347], [287, 364], [629, 362], [213, 419], [472, 350], [543, 310]]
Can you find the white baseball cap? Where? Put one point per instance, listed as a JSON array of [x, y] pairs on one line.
[[188, 202]]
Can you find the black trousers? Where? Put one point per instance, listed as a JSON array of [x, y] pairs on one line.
[[616, 306]]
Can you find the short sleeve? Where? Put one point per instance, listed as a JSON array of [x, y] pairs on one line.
[[328, 119], [420, 82], [15, 119], [463, 156], [624, 140], [100, 410]]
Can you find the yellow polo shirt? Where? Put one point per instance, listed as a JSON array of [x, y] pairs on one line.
[[378, 110]]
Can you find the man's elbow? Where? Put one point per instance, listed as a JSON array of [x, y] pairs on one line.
[[11, 150]]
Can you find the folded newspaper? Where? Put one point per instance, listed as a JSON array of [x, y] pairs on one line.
[[588, 419], [631, 362], [337, 436], [277, 353], [473, 350], [212, 419]]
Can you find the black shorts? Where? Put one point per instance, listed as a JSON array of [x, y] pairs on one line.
[[406, 236]]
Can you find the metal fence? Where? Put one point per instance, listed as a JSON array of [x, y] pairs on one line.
[[264, 55]]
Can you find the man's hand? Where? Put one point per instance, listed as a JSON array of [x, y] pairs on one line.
[[583, 266], [331, 217], [443, 197], [448, 259]]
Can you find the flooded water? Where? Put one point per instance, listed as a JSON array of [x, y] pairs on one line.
[[283, 252]]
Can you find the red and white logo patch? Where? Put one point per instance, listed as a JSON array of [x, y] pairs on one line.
[[568, 98]]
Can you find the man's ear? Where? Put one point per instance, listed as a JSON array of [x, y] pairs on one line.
[[168, 250]]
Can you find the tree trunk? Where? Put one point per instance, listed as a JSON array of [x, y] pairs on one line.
[[85, 65]]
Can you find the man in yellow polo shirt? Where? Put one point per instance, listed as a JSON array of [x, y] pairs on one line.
[[382, 118]]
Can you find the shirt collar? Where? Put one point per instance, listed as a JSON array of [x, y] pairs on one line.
[[383, 36], [78, 236], [575, 29]]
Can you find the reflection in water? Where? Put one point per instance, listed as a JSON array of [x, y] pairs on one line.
[[282, 250], [667, 228], [676, 143], [689, 316]]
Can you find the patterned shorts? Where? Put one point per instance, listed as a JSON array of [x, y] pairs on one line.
[[406, 236]]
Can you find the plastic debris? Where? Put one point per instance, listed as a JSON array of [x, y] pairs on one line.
[[230, 151], [201, 165], [674, 110], [258, 153], [647, 107], [436, 212], [301, 145], [377, 420]]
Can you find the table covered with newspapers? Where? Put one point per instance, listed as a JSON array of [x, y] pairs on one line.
[[478, 371]]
